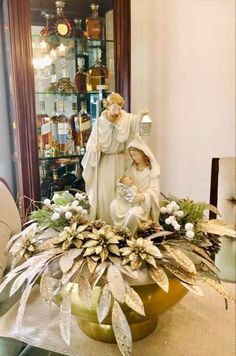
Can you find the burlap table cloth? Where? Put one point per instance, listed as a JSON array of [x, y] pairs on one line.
[[196, 326]]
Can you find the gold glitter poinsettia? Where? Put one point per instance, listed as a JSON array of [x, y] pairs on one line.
[[71, 235], [138, 251], [101, 243]]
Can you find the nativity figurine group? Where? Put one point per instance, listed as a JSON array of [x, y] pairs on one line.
[[121, 173]]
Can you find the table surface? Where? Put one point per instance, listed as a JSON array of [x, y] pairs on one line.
[[196, 326]]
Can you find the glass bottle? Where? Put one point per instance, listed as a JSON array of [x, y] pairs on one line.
[[54, 124], [59, 25], [80, 77], [57, 184], [95, 24], [80, 36], [75, 127], [62, 129], [53, 84], [84, 123], [97, 75], [43, 129], [68, 177], [45, 181]]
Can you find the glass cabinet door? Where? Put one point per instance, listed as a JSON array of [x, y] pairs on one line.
[[73, 60], [66, 57]]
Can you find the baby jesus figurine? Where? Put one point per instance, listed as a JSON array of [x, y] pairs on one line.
[[126, 189]]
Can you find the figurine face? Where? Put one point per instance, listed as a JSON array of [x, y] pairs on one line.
[[136, 156], [127, 180], [114, 111]]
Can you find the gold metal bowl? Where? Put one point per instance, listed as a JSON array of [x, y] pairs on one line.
[[155, 302]]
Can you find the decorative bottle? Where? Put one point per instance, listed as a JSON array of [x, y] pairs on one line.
[[62, 129], [95, 24], [54, 130], [80, 36], [44, 131], [97, 75], [84, 123], [56, 185], [75, 127], [59, 25], [80, 77]]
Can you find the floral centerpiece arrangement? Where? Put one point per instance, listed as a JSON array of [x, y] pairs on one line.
[[61, 245]]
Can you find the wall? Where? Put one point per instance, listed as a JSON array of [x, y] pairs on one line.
[[183, 70]]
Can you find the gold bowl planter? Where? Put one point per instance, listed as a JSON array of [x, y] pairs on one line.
[[155, 302]]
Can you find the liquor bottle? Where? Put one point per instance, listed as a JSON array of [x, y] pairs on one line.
[[54, 130], [80, 77], [62, 129], [84, 126], [59, 25], [53, 84], [43, 129], [45, 181], [97, 75], [57, 184], [95, 24], [68, 178], [80, 36], [75, 127]]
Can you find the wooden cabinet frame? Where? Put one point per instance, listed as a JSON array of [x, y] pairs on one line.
[[24, 91]]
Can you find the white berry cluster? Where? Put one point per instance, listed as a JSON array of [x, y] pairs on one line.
[[66, 211], [174, 212]]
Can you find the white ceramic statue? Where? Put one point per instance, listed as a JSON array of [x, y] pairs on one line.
[[141, 180], [106, 154]]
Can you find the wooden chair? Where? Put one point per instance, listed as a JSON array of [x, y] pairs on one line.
[[223, 195]]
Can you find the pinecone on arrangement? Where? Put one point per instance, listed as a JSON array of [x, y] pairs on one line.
[[215, 244], [148, 228], [96, 224], [125, 233]]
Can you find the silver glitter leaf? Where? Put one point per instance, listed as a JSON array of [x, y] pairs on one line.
[[127, 270], [84, 290], [181, 258], [66, 263], [22, 306], [104, 304], [97, 274], [160, 277], [121, 330], [48, 286], [68, 275], [194, 289], [18, 283], [116, 283], [133, 300], [65, 317]]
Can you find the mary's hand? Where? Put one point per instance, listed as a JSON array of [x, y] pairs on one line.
[[138, 198]]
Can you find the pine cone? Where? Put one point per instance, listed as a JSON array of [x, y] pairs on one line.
[[148, 228], [215, 244], [96, 224]]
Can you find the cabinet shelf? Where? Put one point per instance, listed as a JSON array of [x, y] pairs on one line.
[[77, 94], [71, 157]]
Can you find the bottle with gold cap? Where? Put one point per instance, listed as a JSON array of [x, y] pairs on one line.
[[95, 24]]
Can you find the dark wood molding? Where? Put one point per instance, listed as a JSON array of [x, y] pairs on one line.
[[122, 37], [214, 185], [24, 99]]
